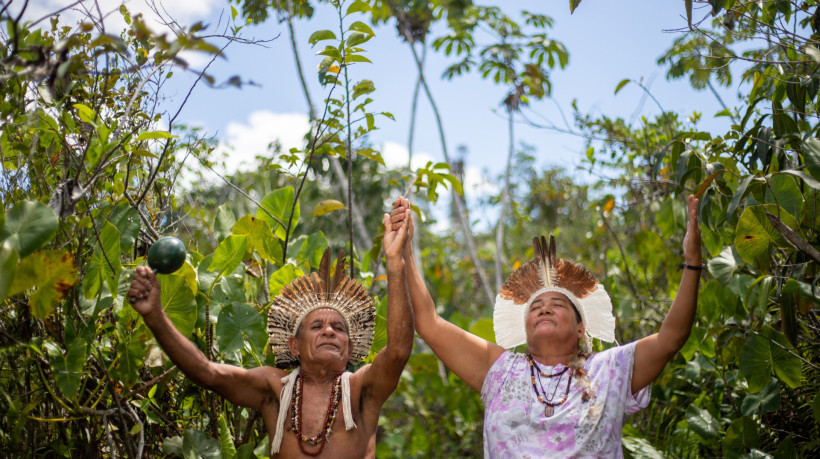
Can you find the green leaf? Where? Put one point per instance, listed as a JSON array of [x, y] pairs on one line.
[[197, 445], [154, 135], [755, 237], [68, 367], [127, 221], [572, 5], [327, 206], [131, 354], [742, 435], [702, 422], [483, 328], [223, 222], [783, 191], [104, 265], [320, 35], [803, 289], [29, 225], [379, 337], [226, 438], [53, 274], [229, 253], [313, 248], [279, 203], [357, 38], [739, 194], [260, 238], [651, 249], [767, 400], [178, 302], [358, 6], [8, 266], [807, 179], [623, 82], [760, 359], [360, 26], [282, 277], [811, 156], [237, 323], [86, 114], [815, 407]]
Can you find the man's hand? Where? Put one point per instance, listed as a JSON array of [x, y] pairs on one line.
[[691, 241], [145, 291]]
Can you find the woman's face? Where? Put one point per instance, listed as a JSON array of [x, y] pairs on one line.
[[552, 316]]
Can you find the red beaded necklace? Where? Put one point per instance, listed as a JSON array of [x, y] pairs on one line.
[[549, 406], [296, 416]]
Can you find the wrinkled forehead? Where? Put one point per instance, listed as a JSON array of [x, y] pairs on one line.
[[324, 315], [547, 297]]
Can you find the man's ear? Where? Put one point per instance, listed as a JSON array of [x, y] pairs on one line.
[[293, 347]]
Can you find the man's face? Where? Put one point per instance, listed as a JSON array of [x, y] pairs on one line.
[[322, 337], [553, 316]]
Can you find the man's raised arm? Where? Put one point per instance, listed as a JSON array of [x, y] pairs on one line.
[[383, 375], [242, 387], [653, 352], [467, 355]]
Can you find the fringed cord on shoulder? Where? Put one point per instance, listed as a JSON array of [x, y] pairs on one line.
[[284, 403], [346, 408]]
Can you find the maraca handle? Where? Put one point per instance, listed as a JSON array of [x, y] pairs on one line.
[[133, 299]]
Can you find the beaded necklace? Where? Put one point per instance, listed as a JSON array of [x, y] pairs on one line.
[[296, 416], [549, 406]]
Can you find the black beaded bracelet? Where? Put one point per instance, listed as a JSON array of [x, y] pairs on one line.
[[693, 268]]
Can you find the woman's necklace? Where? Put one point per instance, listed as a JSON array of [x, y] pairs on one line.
[[549, 405], [330, 416]]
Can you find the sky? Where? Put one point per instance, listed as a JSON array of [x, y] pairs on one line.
[[607, 41]]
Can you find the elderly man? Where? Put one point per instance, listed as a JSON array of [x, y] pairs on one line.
[[318, 325], [558, 399]]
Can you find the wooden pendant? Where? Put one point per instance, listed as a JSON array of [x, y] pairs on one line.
[[549, 411]]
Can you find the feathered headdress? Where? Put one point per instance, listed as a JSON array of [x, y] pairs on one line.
[[316, 291], [547, 273]]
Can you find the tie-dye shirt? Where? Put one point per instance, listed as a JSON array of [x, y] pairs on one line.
[[514, 422]]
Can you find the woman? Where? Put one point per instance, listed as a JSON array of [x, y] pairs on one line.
[[558, 399]]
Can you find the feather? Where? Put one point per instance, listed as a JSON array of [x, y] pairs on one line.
[[324, 270], [339, 275]]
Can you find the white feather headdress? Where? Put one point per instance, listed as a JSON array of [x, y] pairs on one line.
[[316, 291], [547, 273]]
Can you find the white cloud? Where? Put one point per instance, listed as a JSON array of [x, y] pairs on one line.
[[246, 140], [184, 12]]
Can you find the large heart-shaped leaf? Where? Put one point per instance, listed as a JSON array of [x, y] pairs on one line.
[[760, 358], [767, 400], [755, 236], [723, 266], [178, 302], [260, 237], [223, 222], [104, 265], [279, 203], [68, 367], [193, 444], [239, 322], [702, 422], [131, 354], [52, 272], [229, 253], [742, 435], [29, 225], [782, 190]]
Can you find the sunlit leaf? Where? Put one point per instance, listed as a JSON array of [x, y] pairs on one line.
[[178, 302], [29, 225], [282, 277], [260, 238], [483, 328], [320, 35], [623, 82], [229, 253], [228, 449], [155, 135], [313, 248], [326, 206], [279, 203], [86, 114], [52, 273]]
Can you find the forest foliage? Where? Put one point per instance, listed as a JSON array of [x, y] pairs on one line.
[[92, 153]]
